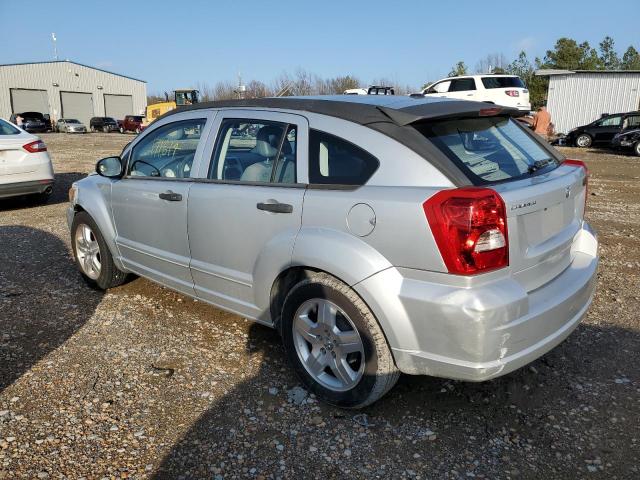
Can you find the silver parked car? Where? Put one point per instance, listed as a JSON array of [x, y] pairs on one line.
[[70, 125], [378, 234]]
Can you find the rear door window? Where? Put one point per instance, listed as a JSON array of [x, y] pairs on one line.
[[255, 151], [632, 121], [502, 82], [168, 151], [335, 161], [489, 149], [462, 85]]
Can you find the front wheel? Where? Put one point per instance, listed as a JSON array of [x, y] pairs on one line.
[[335, 343], [636, 148], [138, 130], [583, 140], [92, 254], [121, 130]]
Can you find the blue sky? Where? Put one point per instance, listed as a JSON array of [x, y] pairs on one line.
[[178, 44]]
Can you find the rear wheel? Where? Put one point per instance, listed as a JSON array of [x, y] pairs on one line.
[[92, 254], [335, 343], [137, 130], [636, 149], [583, 140], [105, 129], [122, 130]]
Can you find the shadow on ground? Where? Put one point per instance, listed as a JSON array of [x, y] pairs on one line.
[[60, 194], [37, 265], [547, 420]]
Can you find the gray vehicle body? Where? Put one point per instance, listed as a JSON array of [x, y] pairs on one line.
[[216, 246]]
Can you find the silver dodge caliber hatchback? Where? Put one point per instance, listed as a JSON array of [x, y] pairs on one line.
[[379, 235]]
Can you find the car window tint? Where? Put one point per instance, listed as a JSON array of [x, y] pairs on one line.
[[168, 151], [610, 122], [631, 122], [491, 148], [7, 128], [255, 151], [335, 161], [462, 85], [502, 82]]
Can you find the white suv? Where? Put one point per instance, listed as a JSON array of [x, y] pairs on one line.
[[506, 90]]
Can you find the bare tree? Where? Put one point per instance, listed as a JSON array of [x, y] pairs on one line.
[[492, 63], [257, 89]]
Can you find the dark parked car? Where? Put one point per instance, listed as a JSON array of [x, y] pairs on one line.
[[32, 122], [628, 140], [103, 124], [131, 123], [601, 132]]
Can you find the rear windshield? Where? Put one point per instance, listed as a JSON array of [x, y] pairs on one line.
[[502, 82], [8, 129], [490, 149]]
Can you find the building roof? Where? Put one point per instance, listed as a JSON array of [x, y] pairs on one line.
[[74, 63], [548, 72]]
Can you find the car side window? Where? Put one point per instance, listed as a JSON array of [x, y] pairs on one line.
[[462, 85], [168, 151], [632, 121], [334, 161], [440, 87], [255, 151], [610, 122]]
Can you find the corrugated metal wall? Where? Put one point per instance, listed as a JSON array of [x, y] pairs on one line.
[[579, 98], [69, 77]]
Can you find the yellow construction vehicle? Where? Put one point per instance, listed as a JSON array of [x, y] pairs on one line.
[[181, 98]]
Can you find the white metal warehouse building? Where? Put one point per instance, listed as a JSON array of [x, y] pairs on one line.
[[65, 89], [578, 97]]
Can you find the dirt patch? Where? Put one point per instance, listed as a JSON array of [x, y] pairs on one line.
[[142, 381]]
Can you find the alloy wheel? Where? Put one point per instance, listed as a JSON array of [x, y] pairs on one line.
[[88, 251], [328, 345]]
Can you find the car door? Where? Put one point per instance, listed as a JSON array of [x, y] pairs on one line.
[[462, 88], [149, 204], [605, 129], [244, 218]]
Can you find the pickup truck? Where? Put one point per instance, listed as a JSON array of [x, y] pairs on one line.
[[131, 123]]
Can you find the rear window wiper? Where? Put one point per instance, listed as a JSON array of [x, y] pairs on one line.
[[537, 165]]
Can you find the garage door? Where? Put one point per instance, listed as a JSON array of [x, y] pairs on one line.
[[118, 106], [77, 105], [29, 101]]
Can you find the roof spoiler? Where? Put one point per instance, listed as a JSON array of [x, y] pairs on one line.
[[445, 110]]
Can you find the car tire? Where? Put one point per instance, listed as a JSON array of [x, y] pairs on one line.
[[106, 275], [121, 130], [368, 366], [636, 149], [137, 130], [105, 129], [584, 140], [93, 129]]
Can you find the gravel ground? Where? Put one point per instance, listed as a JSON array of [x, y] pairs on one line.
[[142, 382]]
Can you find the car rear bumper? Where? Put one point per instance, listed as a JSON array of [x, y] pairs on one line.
[[479, 328], [25, 188]]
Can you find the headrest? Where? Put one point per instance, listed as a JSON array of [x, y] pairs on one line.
[[268, 141]]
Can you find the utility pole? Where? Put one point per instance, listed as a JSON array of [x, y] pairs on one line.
[[55, 46]]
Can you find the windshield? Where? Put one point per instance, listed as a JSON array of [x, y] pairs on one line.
[[109, 120], [7, 129], [490, 149], [502, 82], [71, 120]]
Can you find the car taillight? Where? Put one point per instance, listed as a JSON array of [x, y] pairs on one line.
[[470, 229], [35, 147], [512, 93], [585, 180]]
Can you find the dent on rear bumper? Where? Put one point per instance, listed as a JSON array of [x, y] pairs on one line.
[[484, 328]]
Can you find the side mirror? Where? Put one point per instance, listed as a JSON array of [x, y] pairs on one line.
[[110, 167]]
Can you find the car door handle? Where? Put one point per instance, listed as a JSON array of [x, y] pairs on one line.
[[275, 207], [171, 196]]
